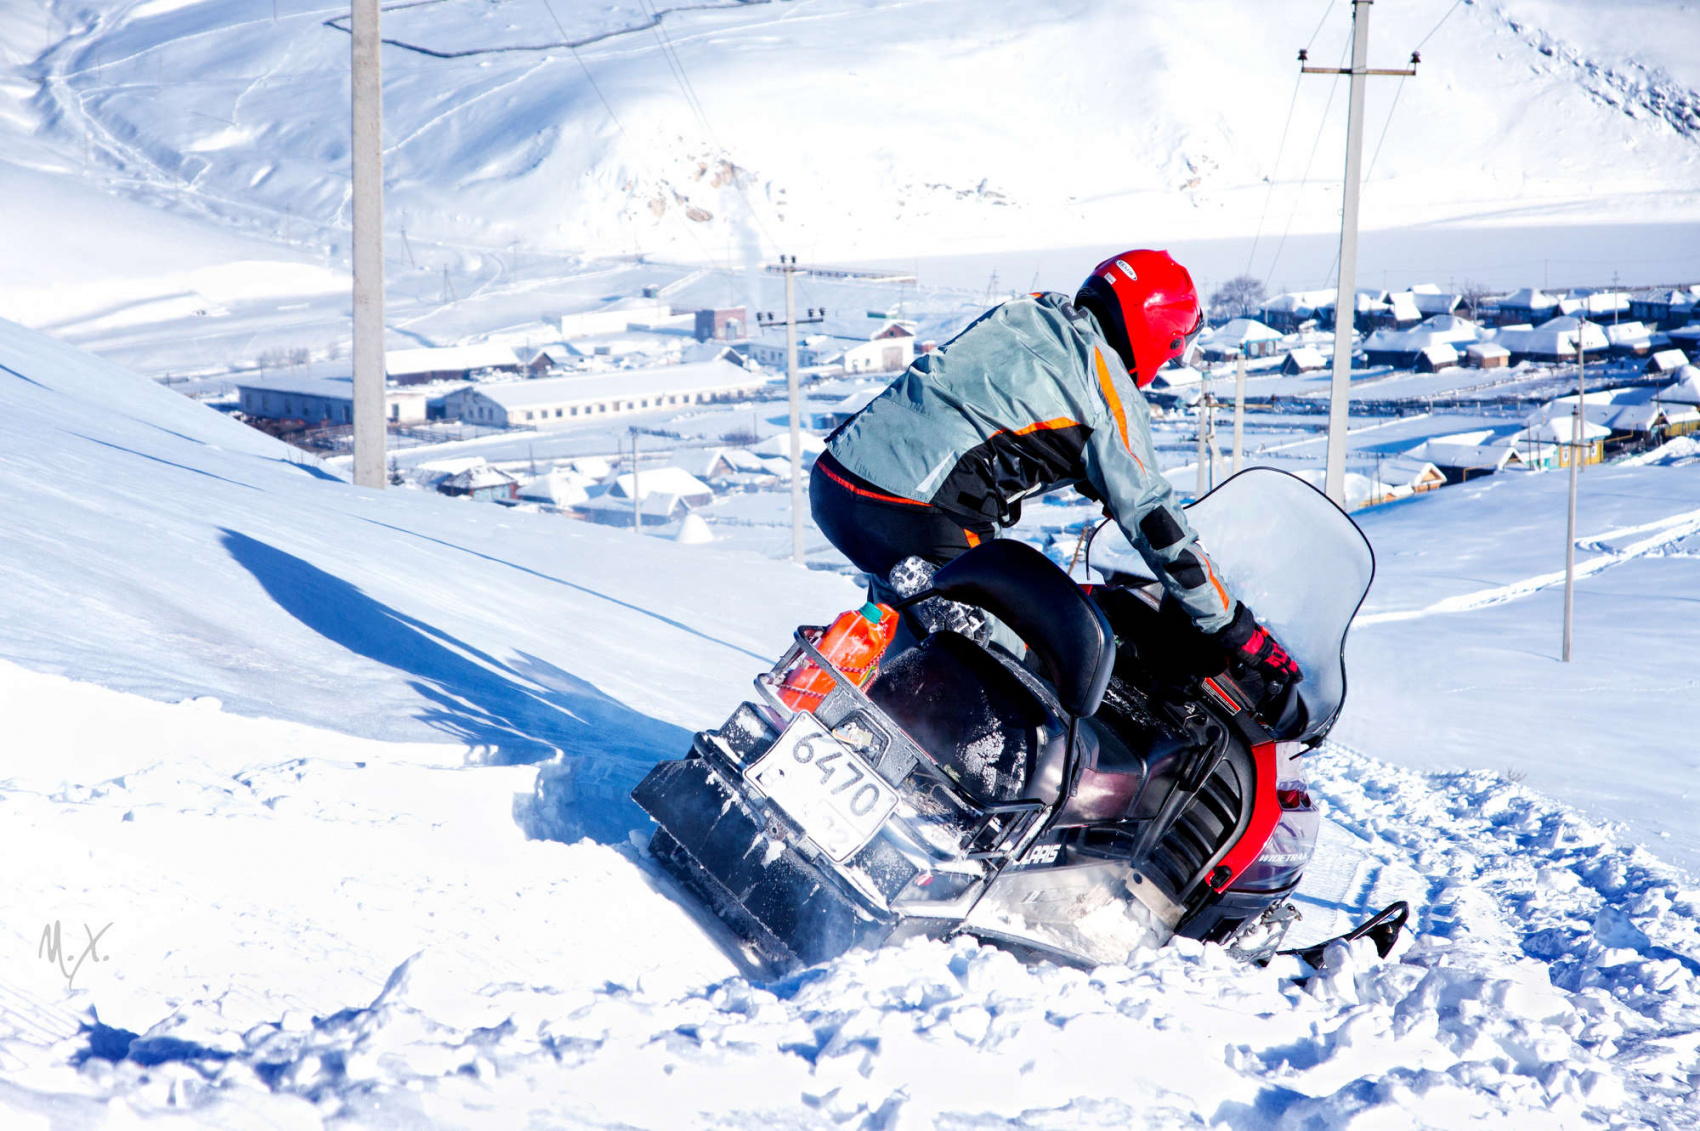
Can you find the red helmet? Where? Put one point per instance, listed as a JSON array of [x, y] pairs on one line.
[[1147, 306]]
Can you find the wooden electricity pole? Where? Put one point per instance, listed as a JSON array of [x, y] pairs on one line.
[[1346, 304], [366, 156]]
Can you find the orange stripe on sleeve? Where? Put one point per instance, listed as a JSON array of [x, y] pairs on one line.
[[1209, 570], [1115, 401]]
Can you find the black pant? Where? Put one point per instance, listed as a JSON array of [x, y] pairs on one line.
[[876, 529]]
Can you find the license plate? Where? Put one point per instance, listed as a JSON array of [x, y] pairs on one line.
[[825, 786]]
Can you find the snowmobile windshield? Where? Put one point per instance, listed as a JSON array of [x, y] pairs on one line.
[[1300, 564]]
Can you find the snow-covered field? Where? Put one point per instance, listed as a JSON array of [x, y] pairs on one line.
[[336, 780]]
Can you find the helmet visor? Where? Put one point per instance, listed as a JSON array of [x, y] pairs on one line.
[[1186, 347]]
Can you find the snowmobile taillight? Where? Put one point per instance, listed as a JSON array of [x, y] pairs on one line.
[[1292, 797]]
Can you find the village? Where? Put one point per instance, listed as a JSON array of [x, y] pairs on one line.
[[674, 420]]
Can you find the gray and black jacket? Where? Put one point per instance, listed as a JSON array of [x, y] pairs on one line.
[[1028, 398]]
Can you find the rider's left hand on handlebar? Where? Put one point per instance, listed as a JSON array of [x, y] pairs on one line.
[[1253, 649]]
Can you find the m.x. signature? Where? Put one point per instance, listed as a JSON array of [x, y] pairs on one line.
[[53, 949]]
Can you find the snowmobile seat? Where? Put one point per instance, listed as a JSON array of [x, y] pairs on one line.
[[1028, 592], [987, 727]]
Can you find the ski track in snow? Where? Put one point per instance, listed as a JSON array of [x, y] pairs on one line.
[[1663, 536]]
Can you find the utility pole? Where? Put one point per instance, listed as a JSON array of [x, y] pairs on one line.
[[1206, 438], [788, 267], [1346, 305], [1577, 435], [637, 494], [367, 158], [1239, 413]]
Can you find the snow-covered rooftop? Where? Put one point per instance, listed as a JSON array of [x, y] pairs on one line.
[[700, 377]]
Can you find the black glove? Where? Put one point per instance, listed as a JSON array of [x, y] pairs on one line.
[[1257, 661]]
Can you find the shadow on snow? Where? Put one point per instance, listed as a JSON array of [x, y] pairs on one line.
[[591, 747]]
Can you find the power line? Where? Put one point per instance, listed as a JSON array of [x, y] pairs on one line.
[[1436, 27], [1319, 23], [1274, 173], [1299, 195]]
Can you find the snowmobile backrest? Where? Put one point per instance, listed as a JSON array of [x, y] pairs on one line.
[[1028, 592]]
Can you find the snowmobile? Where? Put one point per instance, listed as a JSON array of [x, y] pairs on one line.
[[1108, 790]]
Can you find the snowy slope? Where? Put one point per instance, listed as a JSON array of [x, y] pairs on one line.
[[859, 128], [1468, 612], [328, 887]]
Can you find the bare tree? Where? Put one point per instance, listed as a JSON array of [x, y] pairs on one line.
[[1473, 293], [1237, 297]]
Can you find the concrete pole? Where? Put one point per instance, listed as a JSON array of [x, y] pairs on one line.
[[637, 492], [1239, 413], [1577, 435], [367, 158], [1203, 487], [796, 412], [1345, 308]]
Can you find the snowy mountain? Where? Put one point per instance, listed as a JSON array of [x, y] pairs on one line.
[[521, 131], [324, 789]]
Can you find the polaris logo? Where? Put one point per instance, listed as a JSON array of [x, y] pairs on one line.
[[1128, 271], [1043, 854]]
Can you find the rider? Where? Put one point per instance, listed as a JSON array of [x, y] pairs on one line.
[[1038, 393]]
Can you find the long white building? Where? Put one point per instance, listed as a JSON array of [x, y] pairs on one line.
[[555, 402]]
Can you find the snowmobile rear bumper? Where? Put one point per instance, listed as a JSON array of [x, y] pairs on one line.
[[788, 909]]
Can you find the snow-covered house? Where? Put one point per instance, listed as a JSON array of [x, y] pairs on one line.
[[657, 508], [1667, 361], [1463, 456], [1433, 358], [1304, 359], [482, 482], [1486, 355], [1547, 442], [1629, 339], [557, 488], [1431, 300], [1552, 340], [1408, 475], [1527, 305], [1402, 311], [1405, 348], [550, 359], [1662, 309], [673, 481], [888, 351], [1595, 305], [448, 363], [1290, 312], [1245, 337]]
